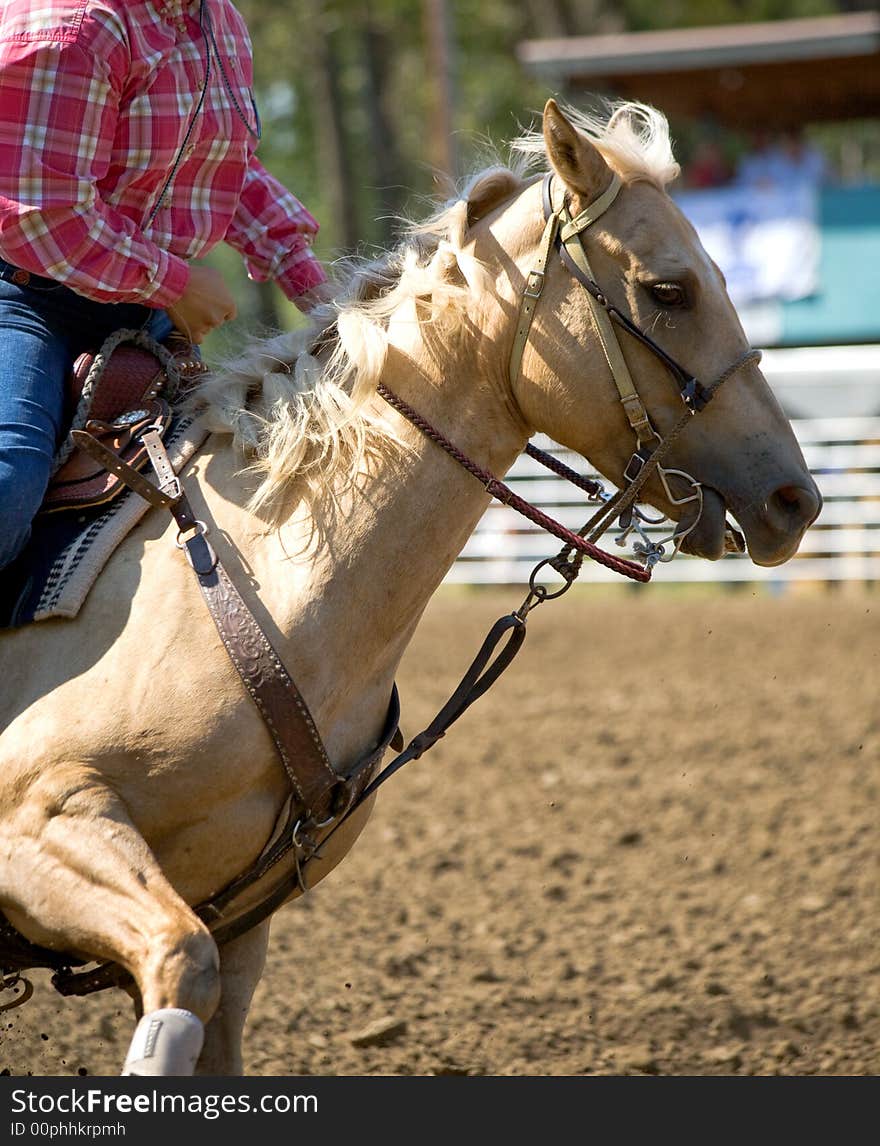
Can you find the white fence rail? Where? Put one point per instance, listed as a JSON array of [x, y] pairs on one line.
[[843, 454]]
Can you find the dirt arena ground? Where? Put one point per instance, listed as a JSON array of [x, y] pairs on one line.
[[650, 849]]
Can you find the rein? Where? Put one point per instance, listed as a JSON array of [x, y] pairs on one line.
[[562, 233], [506, 496]]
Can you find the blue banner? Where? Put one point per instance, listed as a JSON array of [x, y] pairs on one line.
[[766, 241]]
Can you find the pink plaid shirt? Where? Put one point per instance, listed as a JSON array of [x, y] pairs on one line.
[[96, 97]]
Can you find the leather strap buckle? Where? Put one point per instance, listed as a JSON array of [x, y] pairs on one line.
[[634, 467], [535, 284]]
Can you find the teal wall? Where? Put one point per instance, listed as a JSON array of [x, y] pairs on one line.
[[847, 307]]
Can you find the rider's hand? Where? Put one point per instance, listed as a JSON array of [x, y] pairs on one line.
[[205, 304]]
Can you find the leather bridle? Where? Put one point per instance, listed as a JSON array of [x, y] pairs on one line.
[[563, 234]]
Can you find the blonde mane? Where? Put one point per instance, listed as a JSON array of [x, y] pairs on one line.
[[295, 417]]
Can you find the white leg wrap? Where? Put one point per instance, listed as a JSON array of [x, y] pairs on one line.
[[165, 1042]]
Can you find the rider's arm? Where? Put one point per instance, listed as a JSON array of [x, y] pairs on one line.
[[273, 231], [60, 98]]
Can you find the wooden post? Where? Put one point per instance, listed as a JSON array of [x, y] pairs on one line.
[[331, 154], [439, 52]]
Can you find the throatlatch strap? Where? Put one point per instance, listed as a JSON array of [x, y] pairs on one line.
[[531, 294], [536, 277], [572, 249]]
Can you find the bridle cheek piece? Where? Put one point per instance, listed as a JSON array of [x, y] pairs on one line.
[[563, 234]]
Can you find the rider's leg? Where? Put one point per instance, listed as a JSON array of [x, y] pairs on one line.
[[34, 362], [43, 327]]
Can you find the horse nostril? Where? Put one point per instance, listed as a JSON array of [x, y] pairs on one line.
[[798, 503]]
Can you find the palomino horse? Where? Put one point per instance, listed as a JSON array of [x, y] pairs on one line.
[[137, 777]]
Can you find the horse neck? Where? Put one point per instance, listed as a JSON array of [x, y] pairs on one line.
[[346, 612], [416, 510]]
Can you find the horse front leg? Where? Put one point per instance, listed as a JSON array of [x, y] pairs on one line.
[[241, 964], [77, 876]]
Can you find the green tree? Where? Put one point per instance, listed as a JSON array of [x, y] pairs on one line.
[[349, 90]]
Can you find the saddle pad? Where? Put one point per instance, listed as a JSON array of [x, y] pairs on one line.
[[67, 551]]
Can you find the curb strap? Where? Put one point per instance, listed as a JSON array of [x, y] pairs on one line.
[[644, 462]]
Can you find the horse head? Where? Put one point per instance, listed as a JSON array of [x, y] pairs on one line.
[[623, 315]]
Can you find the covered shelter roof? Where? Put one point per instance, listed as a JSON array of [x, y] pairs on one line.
[[776, 74]]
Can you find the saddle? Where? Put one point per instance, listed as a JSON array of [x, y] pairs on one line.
[[130, 385], [116, 393]]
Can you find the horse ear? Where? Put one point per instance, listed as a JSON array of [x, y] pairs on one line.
[[577, 162]]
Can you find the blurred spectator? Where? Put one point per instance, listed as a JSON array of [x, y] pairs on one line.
[[785, 161], [708, 166]]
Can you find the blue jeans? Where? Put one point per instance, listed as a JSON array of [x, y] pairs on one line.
[[44, 327]]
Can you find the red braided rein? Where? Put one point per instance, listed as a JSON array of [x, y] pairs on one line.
[[506, 496]]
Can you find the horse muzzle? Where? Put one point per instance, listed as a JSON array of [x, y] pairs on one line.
[[773, 527]]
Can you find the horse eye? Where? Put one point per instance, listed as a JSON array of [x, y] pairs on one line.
[[669, 294]]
